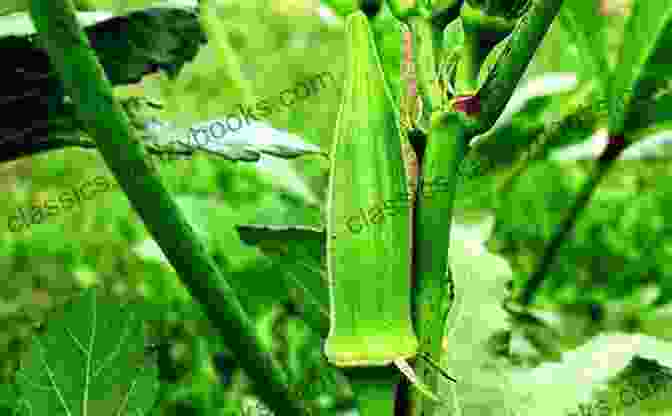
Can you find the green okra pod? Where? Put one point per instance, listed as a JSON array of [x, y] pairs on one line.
[[368, 243]]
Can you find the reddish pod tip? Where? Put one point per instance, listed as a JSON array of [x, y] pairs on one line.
[[468, 104]]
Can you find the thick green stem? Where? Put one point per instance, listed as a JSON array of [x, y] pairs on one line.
[[84, 80], [514, 59], [535, 281], [434, 209]]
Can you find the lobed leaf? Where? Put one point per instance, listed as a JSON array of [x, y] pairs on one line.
[[89, 362]]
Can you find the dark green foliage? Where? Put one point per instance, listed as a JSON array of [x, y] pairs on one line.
[[129, 47]]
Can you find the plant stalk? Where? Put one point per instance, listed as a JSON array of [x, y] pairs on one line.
[[83, 77], [445, 151], [604, 163], [514, 59]]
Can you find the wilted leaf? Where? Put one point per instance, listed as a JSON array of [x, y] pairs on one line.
[[245, 144], [90, 361], [128, 48]]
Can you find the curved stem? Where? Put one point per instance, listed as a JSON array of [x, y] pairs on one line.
[[85, 81]]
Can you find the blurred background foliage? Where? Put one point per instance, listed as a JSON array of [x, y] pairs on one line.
[[618, 258]]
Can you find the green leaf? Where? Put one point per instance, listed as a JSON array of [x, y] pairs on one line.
[[644, 34], [300, 251], [90, 361], [588, 27]]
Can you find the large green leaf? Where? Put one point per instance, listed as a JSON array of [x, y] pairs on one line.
[[89, 361]]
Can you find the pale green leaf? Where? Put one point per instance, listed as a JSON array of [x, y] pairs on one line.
[[480, 280]]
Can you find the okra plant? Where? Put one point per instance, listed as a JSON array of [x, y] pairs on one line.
[[425, 84]]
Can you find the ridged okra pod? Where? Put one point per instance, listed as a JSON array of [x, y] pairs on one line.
[[368, 241]]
